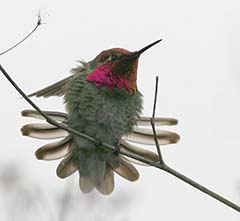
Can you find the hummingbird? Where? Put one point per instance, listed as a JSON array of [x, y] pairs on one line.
[[103, 101]]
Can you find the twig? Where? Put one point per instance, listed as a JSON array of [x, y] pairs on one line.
[[153, 125], [133, 156], [200, 187], [39, 22], [155, 98]]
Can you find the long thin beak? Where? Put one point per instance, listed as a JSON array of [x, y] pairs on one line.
[[138, 53]]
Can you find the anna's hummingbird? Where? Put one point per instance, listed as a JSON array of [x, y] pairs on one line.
[[102, 101]]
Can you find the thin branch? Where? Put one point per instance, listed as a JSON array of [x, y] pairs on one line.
[[161, 161], [155, 97], [153, 125], [133, 156], [39, 22], [200, 187]]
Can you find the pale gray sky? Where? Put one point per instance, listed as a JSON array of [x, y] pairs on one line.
[[198, 65]]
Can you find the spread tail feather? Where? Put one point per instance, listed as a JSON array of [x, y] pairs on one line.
[[99, 173], [56, 150], [85, 183], [126, 170], [43, 131], [67, 166], [129, 148], [107, 184], [58, 116], [145, 136], [158, 121]]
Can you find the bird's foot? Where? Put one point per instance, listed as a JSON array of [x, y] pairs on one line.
[[117, 148], [97, 142]]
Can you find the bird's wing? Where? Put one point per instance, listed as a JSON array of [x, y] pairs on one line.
[[56, 89]]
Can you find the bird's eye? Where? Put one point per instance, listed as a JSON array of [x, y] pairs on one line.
[[113, 57]]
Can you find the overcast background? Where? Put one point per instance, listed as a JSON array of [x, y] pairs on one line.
[[198, 65]]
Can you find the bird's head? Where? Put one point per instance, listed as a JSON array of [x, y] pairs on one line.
[[117, 68]]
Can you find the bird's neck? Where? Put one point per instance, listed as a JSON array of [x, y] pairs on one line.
[[103, 76]]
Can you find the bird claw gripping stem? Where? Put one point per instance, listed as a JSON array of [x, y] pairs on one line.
[[97, 142], [117, 148]]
